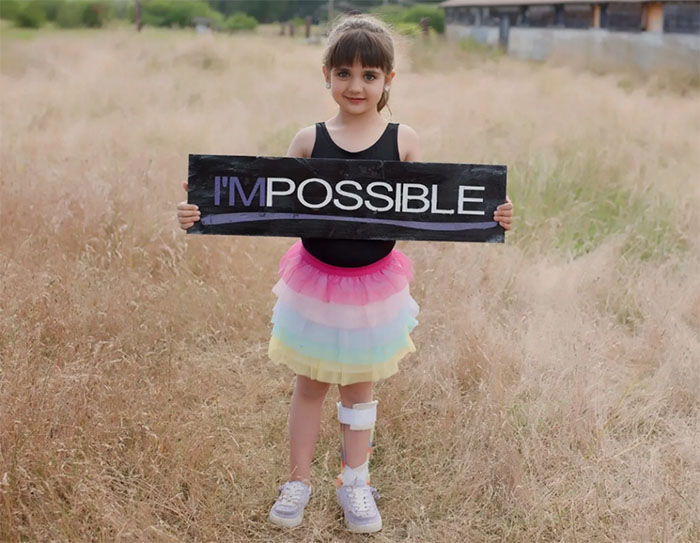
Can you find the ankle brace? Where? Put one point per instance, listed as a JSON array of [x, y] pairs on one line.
[[360, 473], [361, 416]]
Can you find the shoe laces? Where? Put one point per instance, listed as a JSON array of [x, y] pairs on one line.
[[361, 498], [290, 493]]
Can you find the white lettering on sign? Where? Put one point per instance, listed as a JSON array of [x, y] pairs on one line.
[[461, 200], [271, 193], [326, 185], [434, 205], [371, 192], [408, 197], [341, 192]]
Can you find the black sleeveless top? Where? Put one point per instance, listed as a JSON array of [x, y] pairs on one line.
[[352, 253]]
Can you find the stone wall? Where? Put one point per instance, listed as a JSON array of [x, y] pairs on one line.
[[647, 51]]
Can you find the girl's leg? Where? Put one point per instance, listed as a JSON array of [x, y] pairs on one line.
[[355, 442], [353, 492], [304, 422]]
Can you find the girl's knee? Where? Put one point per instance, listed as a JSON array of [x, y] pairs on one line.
[[310, 389], [355, 393]]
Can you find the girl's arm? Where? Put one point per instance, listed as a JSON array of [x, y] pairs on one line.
[[409, 150], [504, 214], [409, 144], [187, 214], [303, 143], [301, 147]]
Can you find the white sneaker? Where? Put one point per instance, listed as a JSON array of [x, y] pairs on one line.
[[361, 513], [288, 510]]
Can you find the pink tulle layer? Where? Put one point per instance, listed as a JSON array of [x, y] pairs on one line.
[[343, 315], [342, 325], [350, 286]]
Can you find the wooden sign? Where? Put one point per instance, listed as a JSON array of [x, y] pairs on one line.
[[347, 199]]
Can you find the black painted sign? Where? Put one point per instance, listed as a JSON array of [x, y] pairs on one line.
[[348, 199]]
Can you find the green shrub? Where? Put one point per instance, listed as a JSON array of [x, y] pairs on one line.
[[397, 16], [389, 13], [9, 9], [79, 13], [175, 12], [240, 21], [96, 14], [50, 7], [30, 15], [218, 20], [408, 29], [436, 15], [70, 15]]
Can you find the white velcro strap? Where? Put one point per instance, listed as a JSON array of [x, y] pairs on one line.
[[361, 416]]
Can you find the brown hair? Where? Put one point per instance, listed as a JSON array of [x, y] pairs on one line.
[[363, 38]]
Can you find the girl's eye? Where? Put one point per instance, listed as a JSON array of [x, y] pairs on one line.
[[342, 74], [370, 77]]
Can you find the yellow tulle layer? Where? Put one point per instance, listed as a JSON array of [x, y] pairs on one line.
[[334, 372]]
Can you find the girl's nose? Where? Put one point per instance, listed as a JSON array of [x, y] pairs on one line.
[[356, 84]]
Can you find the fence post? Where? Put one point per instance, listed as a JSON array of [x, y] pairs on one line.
[[424, 26], [137, 16], [503, 32]]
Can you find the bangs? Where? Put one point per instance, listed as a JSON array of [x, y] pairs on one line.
[[357, 44]]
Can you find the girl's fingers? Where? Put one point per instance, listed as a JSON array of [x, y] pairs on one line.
[[504, 219], [188, 213], [504, 214]]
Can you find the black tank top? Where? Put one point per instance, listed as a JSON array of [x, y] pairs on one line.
[[352, 253]]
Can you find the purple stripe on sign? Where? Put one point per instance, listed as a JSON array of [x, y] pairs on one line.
[[229, 218]]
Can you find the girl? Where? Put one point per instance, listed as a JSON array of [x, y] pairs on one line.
[[344, 312]]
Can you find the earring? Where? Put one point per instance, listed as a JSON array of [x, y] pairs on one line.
[[328, 84], [386, 89]]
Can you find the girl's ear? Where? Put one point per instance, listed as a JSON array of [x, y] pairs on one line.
[[389, 78], [326, 73]]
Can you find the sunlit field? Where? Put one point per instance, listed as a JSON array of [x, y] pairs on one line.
[[554, 393]]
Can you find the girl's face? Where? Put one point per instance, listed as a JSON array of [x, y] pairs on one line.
[[357, 89]]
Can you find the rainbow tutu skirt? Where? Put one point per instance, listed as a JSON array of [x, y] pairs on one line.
[[342, 325]]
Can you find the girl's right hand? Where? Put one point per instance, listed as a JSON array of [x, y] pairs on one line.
[[187, 214]]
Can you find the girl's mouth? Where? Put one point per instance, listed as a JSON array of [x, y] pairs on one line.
[[355, 100]]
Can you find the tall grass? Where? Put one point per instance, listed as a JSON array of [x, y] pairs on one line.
[[554, 395]]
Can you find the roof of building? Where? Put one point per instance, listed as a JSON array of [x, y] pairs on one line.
[[487, 3]]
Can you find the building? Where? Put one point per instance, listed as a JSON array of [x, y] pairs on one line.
[[646, 35]]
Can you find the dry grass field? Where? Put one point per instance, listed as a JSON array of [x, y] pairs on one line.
[[554, 394]]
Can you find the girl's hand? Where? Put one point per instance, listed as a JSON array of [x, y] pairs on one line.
[[187, 214], [504, 214]]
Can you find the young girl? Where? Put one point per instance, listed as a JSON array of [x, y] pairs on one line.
[[344, 311]]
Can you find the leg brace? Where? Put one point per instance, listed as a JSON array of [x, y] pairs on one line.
[[361, 416]]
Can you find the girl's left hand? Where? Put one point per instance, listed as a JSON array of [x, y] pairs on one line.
[[504, 214]]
